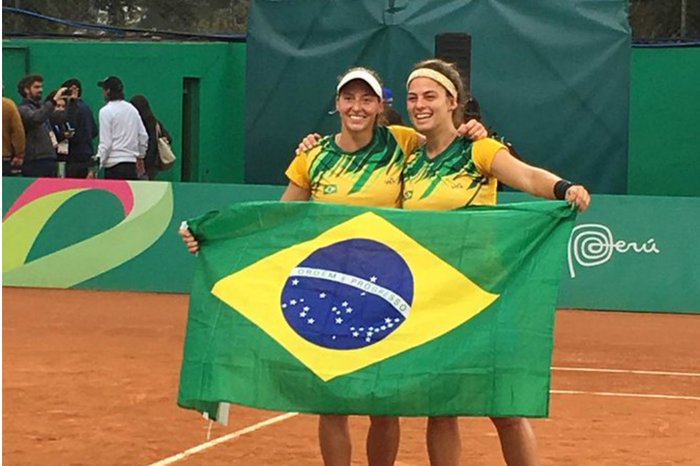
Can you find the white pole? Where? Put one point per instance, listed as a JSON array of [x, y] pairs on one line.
[[684, 11]]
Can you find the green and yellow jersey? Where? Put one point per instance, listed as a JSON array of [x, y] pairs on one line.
[[369, 176], [457, 177]]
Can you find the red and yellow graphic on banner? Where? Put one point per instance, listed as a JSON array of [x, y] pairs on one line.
[[148, 209]]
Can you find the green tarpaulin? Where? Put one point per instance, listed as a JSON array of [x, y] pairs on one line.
[[339, 309], [552, 77]]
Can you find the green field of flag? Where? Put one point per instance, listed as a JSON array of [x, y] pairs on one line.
[[326, 308]]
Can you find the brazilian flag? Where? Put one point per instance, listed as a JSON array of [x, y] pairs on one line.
[[326, 308]]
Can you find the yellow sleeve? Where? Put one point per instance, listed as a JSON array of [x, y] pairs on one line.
[[483, 152], [298, 170], [406, 137]]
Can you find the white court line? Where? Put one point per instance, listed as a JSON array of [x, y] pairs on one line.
[[224, 438], [630, 395], [626, 371]]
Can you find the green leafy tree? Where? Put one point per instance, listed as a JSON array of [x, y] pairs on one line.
[[196, 16]]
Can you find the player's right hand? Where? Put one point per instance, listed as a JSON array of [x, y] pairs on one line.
[[189, 240], [309, 142]]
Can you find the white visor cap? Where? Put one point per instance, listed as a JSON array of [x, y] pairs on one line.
[[364, 76]]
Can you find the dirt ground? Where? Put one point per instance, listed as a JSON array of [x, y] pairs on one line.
[[90, 378]]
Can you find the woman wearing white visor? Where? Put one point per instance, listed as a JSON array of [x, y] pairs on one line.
[[361, 165]]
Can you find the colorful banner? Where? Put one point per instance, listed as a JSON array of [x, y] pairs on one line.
[[634, 253], [147, 211]]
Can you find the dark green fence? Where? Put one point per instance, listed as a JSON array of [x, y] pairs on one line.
[[196, 89], [210, 78], [665, 122]]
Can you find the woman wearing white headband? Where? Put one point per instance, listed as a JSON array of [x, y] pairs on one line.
[[450, 172]]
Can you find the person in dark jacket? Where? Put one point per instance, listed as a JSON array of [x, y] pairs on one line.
[[154, 128], [82, 121], [40, 153]]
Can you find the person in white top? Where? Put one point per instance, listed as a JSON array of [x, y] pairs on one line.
[[123, 138]]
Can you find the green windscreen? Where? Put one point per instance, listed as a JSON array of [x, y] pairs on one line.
[[552, 77]]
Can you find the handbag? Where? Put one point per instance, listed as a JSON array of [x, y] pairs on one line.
[[166, 156]]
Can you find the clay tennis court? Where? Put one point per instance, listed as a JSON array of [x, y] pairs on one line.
[[90, 378]]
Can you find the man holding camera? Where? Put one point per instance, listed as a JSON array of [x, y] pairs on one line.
[[40, 153]]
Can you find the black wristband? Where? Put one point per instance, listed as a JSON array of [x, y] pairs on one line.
[[560, 189]]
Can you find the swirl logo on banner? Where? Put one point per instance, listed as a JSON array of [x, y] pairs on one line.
[[147, 208], [593, 244]]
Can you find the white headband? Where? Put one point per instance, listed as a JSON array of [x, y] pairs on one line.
[[362, 75], [436, 76]]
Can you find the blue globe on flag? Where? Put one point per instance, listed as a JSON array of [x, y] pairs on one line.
[[348, 295]]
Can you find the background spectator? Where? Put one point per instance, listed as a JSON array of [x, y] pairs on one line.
[[152, 124], [390, 114], [61, 133], [123, 138], [82, 120], [12, 138], [40, 154]]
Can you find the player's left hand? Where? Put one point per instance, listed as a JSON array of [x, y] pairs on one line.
[[473, 129], [578, 195]]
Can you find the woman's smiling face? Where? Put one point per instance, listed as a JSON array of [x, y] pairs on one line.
[[429, 105], [358, 106]]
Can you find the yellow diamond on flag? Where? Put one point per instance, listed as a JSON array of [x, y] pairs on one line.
[[359, 293]]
